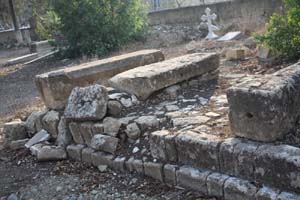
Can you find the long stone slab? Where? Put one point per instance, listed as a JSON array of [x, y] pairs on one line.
[[265, 108], [143, 81], [56, 86]]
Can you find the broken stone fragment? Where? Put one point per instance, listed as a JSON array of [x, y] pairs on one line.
[[111, 126], [133, 131], [51, 153], [87, 103], [114, 108], [236, 189], [64, 137], [235, 54], [34, 121], [50, 123], [18, 144], [154, 170], [76, 134], [75, 151], [41, 136], [186, 121], [15, 130], [147, 122], [105, 143]]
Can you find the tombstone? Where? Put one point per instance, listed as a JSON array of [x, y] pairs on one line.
[[211, 28]]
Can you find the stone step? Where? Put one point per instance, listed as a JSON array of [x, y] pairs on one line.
[[209, 183], [143, 81], [56, 86], [269, 164], [265, 108]]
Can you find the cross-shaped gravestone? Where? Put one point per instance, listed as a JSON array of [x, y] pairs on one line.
[[211, 28]]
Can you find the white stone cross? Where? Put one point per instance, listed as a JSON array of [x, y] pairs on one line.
[[211, 28]]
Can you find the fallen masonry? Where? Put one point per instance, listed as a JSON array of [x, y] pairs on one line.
[[143, 81], [266, 108], [56, 86]]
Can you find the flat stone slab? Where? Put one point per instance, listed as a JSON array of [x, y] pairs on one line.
[[265, 108], [143, 81], [56, 86]]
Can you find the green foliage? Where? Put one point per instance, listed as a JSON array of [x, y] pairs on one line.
[[47, 25], [283, 31], [94, 27]]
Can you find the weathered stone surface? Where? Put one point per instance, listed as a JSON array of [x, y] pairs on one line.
[[64, 137], [172, 91], [266, 193], [114, 108], [278, 166], [265, 108], [288, 196], [192, 178], [97, 128], [41, 136], [235, 54], [170, 174], [147, 122], [198, 150], [215, 183], [18, 144], [135, 165], [143, 81], [227, 158], [34, 121], [104, 143], [56, 86], [185, 121], [133, 131], [15, 130], [87, 103], [154, 170], [50, 123], [51, 153], [86, 155], [76, 134], [119, 164], [74, 151], [111, 126], [34, 149], [237, 189], [100, 158], [162, 145], [86, 132]]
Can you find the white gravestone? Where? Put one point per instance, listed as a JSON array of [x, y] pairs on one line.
[[208, 18]]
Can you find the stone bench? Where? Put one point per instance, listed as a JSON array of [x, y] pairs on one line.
[[41, 47], [143, 81], [56, 86], [265, 108]]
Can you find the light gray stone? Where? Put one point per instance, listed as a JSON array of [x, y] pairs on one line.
[[98, 128], [198, 150], [87, 103], [86, 132], [18, 144], [105, 143], [55, 87], [135, 165], [76, 134], [101, 158], [51, 153], [15, 130], [143, 81], [237, 189], [74, 151], [147, 122], [154, 170], [266, 193], [50, 123], [192, 178], [215, 183], [133, 131], [86, 155], [171, 108], [288, 196], [34, 121], [186, 121], [170, 174], [41, 136], [64, 137], [172, 91], [111, 126], [118, 164], [114, 108]]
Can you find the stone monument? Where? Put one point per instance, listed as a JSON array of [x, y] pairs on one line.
[[208, 18]]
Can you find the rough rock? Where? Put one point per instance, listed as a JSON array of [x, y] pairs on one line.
[[215, 183], [133, 131], [192, 178], [186, 121], [154, 170], [86, 132], [111, 126], [41, 136], [50, 123], [266, 193], [18, 144], [250, 43], [288, 196], [135, 165], [101, 158], [143, 81], [51, 153], [147, 122], [172, 91], [199, 150], [64, 137], [86, 155], [56, 86], [34, 121], [114, 108], [237, 189], [170, 174], [235, 54], [75, 132], [98, 128], [15, 130], [118, 164], [104, 143], [87, 103], [74, 151]]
